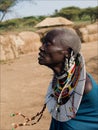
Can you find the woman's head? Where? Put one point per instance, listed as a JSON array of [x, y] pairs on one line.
[[58, 44]]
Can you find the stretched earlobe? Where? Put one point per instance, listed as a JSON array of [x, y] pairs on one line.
[[66, 54]]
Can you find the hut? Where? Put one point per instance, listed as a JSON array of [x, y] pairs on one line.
[[52, 22]]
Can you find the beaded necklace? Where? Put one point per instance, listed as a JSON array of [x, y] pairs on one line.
[[64, 85], [64, 90], [64, 107]]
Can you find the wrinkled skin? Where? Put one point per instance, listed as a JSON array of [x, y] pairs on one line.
[[52, 52]]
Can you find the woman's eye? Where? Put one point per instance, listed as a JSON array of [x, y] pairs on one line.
[[47, 43]]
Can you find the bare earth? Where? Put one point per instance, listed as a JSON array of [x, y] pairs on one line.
[[24, 84]]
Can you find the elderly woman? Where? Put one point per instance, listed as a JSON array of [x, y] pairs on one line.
[[72, 97]]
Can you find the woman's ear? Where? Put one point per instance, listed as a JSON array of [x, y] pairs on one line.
[[66, 54], [70, 52]]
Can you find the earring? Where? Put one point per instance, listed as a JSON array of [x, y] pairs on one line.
[[66, 63], [72, 59]]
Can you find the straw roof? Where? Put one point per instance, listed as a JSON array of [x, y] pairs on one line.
[[55, 21]]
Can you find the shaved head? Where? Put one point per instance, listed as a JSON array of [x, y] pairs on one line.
[[64, 38]]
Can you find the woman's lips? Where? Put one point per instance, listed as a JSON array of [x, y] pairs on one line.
[[41, 56]]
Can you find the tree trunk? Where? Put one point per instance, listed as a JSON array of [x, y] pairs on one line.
[[4, 13]]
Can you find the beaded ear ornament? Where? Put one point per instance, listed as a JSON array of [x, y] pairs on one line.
[[60, 91], [28, 121]]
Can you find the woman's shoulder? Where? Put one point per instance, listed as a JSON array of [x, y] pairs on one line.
[[88, 85]]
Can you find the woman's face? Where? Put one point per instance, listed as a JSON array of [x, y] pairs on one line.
[[51, 52]]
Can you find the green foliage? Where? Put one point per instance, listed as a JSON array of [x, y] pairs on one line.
[[5, 4], [70, 13], [75, 13], [26, 23], [91, 13], [78, 15]]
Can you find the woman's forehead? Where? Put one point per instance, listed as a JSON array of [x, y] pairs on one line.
[[54, 40], [51, 37]]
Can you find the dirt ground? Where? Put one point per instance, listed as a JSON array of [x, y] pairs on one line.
[[24, 84]]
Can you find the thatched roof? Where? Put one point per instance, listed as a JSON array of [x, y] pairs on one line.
[[55, 21]]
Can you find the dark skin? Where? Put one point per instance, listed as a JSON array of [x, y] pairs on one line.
[[88, 85], [52, 54]]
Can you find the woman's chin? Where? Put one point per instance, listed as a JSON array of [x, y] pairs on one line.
[[41, 61]]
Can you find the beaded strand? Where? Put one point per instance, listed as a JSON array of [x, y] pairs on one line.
[[27, 120]]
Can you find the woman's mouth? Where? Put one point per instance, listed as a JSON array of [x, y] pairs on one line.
[[41, 56]]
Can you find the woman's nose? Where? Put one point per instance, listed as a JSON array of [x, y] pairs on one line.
[[42, 48]]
